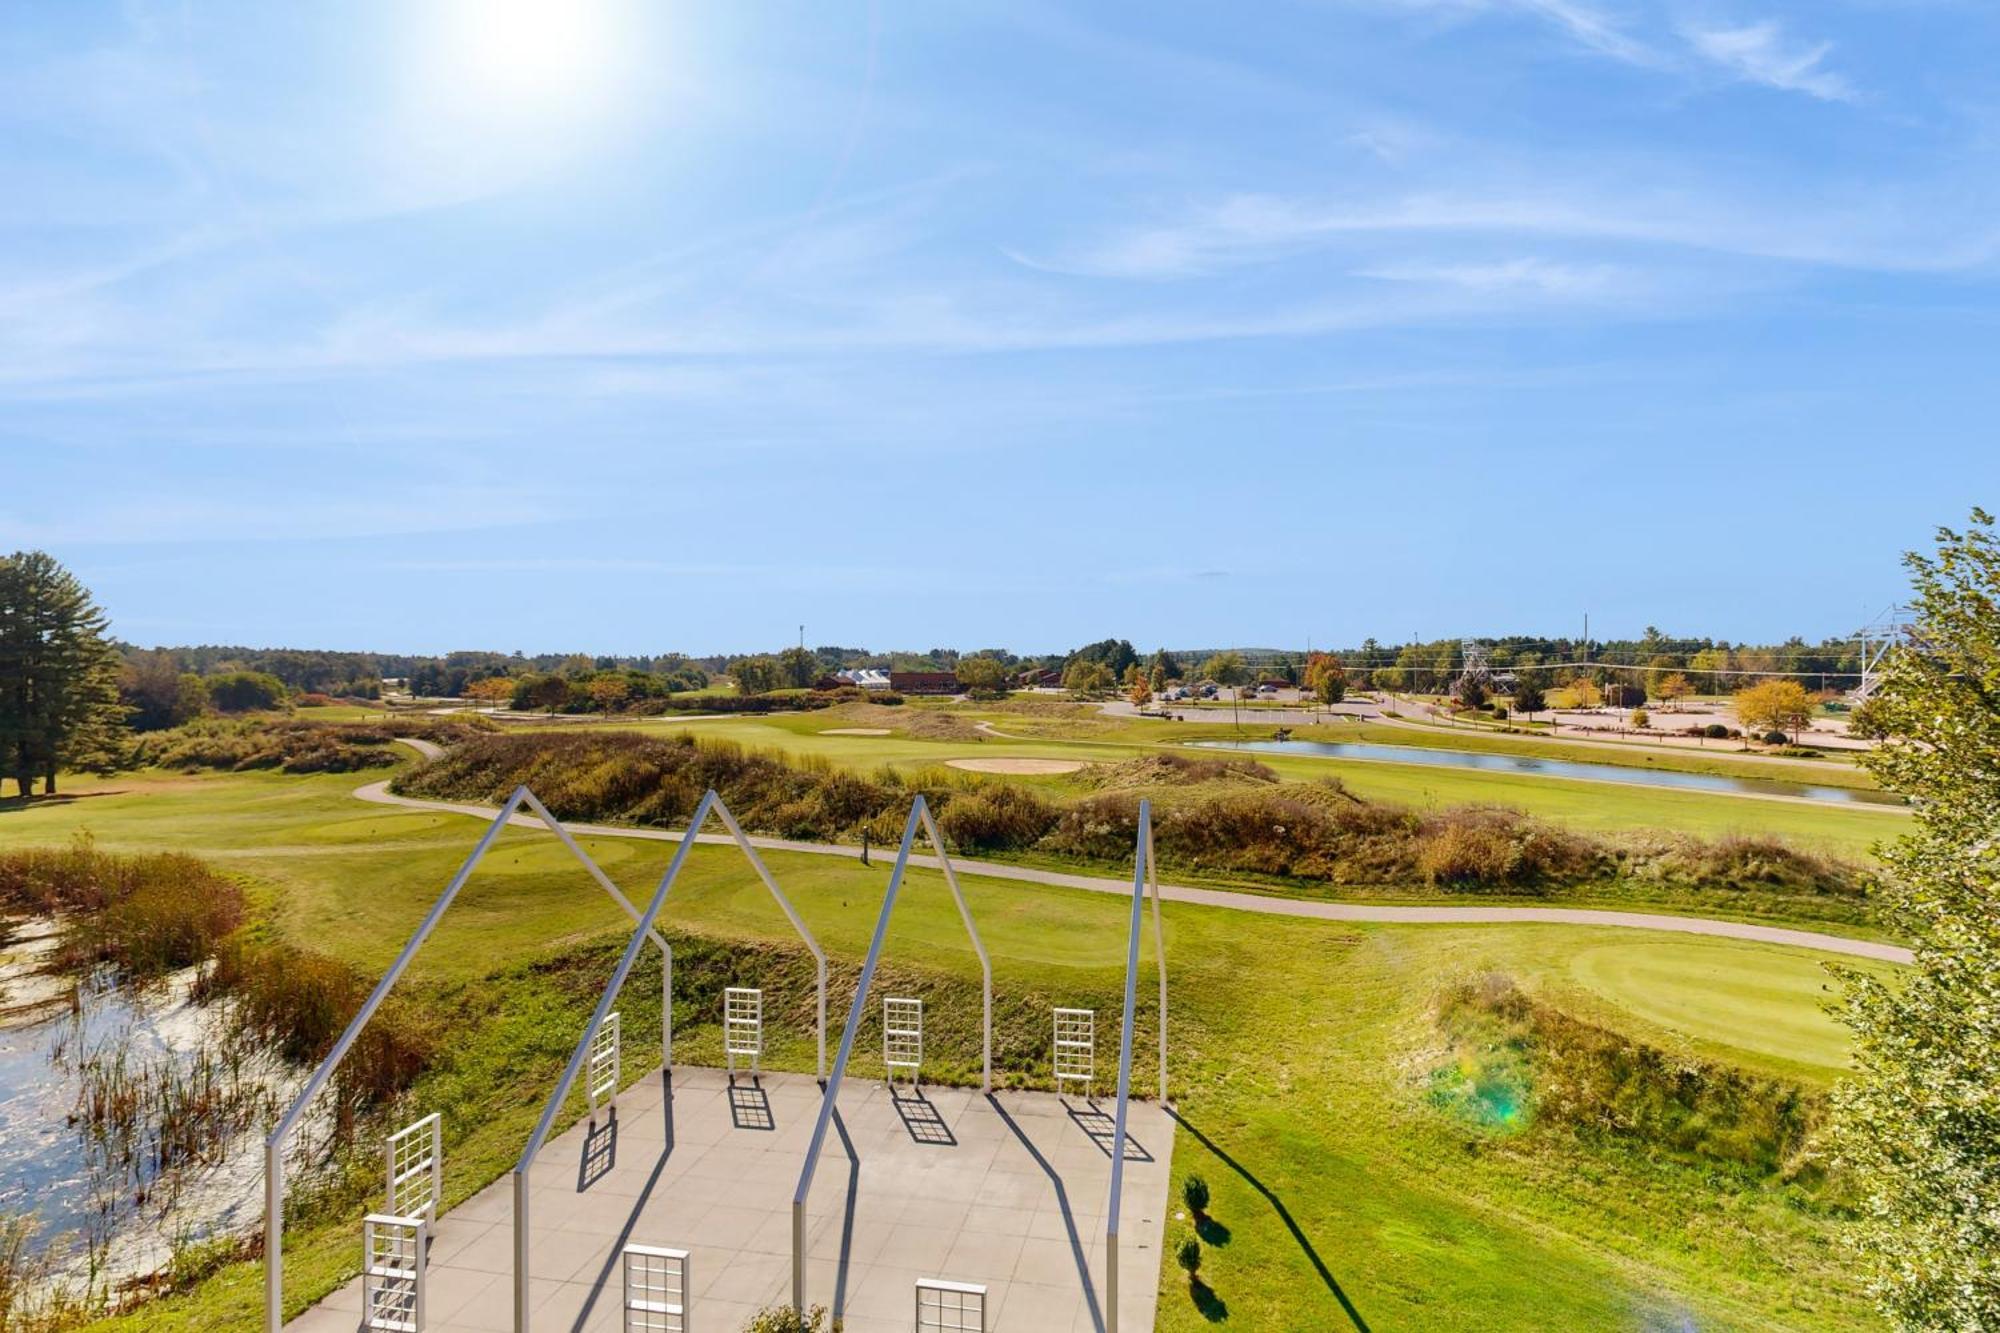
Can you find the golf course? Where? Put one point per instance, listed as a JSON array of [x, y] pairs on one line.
[[1433, 1126]]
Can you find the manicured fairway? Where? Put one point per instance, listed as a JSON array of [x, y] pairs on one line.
[[1300, 1055], [1750, 1001]]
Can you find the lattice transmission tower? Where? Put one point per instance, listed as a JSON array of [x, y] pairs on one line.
[[1874, 640], [1475, 669]]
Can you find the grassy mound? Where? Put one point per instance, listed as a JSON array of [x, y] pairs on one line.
[[1229, 817], [294, 745], [1517, 1061]]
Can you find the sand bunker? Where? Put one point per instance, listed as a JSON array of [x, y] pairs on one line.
[[1021, 767], [855, 731]]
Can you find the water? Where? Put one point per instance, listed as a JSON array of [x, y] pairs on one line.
[[1564, 768], [92, 1213]]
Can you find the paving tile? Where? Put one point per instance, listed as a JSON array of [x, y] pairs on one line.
[[1014, 1200]]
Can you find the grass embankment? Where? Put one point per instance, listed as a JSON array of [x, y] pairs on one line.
[[1083, 736], [1216, 818], [1304, 1058]]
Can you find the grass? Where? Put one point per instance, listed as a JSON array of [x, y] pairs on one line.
[[1300, 1055]]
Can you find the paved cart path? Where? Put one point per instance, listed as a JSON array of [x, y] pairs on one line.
[[379, 793]]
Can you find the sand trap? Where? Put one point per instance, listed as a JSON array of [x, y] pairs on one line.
[[855, 731], [1017, 766]]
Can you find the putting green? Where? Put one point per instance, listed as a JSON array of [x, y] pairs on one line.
[[1765, 1002]]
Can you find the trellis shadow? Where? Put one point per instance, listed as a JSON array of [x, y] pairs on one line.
[[921, 1118], [1284, 1215], [750, 1107]]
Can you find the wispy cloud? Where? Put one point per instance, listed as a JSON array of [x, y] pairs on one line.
[[1760, 53]]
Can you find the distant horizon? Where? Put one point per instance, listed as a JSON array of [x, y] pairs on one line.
[[1142, 648]]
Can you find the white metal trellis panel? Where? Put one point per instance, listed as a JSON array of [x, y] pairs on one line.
[[656, 1290], [604, 1063], [416, 1168], [743, 1025], [392, 1273], [902, 1035], [1075, 1047], [950, 1307]]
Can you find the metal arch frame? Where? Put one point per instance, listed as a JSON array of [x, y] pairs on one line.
[[711, 803], [920, 814], [1145, 874], [274, 1145]]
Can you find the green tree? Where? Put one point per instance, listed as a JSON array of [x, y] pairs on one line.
[[1085, 677], [984, 675], [1165, 663], [798, 667], [1528, 696], [548, 692], [756, 675], [154, 690], [1919, 1125], [58, 674], [245, 691], [1225, 668]]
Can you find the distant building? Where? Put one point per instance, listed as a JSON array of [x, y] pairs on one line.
[[868, 678], [924, 682], [1039, 678]]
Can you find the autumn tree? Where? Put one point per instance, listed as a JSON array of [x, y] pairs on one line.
[[58, 674], [1673, 688], [1326, 677], [1775, 705], [493, 691], [607, 692], [1139, 690], [1919, 1124]]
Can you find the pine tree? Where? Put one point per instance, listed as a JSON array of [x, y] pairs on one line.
[[1920, 1124], [58, 674]]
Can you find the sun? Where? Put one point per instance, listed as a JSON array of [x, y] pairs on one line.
[[539, 61], [532, 50]]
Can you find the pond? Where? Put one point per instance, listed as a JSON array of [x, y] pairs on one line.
[[128, 1128], [1534, 766]]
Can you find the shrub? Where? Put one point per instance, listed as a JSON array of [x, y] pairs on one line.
[[1776, 738], [1194, 1193], [887, 698], [1499, 712], [1188, 1255], [996, 818], [784, 1319], [1640, 720], [1715, 731]]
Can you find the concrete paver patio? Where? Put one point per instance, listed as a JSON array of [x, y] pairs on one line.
[[1009, 1191]]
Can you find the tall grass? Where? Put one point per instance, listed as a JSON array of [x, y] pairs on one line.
[[145, 915], [298, 1002], [295, 745]]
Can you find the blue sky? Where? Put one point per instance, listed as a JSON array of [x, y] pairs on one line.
[[622, 327]]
